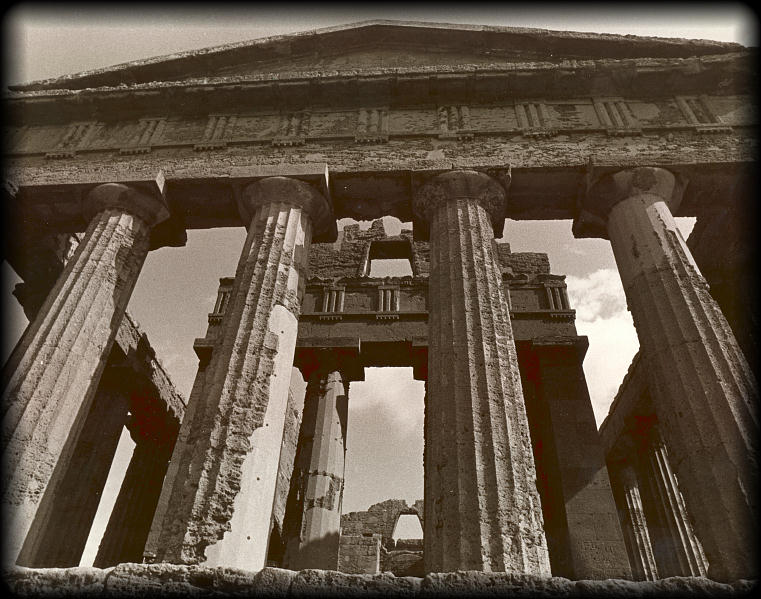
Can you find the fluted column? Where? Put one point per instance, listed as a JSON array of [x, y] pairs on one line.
[[703, 390], [51, 377], [319, 473], [227, 457], [71, 515], [154, 431], [635, 528], [482, 509], [173, 482], [689, 552]]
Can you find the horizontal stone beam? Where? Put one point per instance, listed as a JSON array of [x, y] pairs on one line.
[[202, 194]]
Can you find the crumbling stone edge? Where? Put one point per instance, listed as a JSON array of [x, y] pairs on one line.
[[170, 580]]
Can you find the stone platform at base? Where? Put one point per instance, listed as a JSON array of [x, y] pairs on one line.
[[169, 580]]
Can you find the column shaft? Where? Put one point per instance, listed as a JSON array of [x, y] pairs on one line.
[[52, 376], [319, 473], [703, 390], [124, 538], [222, 498], [482, 509], [637, 535], [65, 533], [192, 424], [689, 551], [596, 547]]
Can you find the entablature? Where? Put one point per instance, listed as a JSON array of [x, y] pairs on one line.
[[734, 73], [369, 121]]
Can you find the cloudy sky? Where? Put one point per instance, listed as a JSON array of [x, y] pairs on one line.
[[177, 286]]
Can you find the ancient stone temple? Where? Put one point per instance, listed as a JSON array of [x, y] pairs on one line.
[[453, 129]]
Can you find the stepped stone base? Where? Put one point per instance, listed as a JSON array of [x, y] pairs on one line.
[[170, 580]]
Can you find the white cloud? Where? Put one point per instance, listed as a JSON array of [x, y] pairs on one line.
[[601, 314], [391, 391]]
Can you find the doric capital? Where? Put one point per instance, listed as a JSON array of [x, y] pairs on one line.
[[151, 208], [460, 184], [288, 191], [321, 360], [655, 183]]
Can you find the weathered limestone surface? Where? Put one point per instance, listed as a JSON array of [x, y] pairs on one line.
[[482, 509], [288, 450], [221, 500], [50, 379], [703, 390], [359, 554], [72, 513], [689, 551], [380, 518], [319, 473], [592, 545], [170, 580], [171, 479], [637, 535]]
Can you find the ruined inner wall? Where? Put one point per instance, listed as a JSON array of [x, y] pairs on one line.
[[342, 304]]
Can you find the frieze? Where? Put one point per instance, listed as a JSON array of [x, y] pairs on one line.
[[75, 137], [454, 123], [613, 116], [617, 117], [372, 125], [534, 119], [697, 111], [293, 128], [218, 129], [149, 132]]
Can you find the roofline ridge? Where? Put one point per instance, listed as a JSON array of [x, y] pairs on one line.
[[63, 80]]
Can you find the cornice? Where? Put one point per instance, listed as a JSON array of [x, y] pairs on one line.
[[478, 39], [689, 66]]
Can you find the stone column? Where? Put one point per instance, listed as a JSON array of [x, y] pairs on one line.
[[51, 377], [703, 390], [595, 545], [319, 472], [65, 533], [482, 509], [637, 535], [689, 551], [154, 431], [220, 502], [172, 481]]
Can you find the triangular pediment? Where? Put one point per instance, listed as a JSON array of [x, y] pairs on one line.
[[384, 45]]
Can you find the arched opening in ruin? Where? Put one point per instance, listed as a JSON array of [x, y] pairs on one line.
[[408, 526]]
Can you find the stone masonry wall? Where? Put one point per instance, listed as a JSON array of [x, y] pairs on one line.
[[359, 555], [169, 580], [379, 519], [349, 255]]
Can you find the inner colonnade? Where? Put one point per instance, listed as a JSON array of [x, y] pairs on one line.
[[482, 508]]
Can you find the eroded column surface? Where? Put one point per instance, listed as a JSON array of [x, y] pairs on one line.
[[319, 474], [227, 453], [635, 529], [51, 377], [689, 551], [482, 509], [703, 390], [64, 535]]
